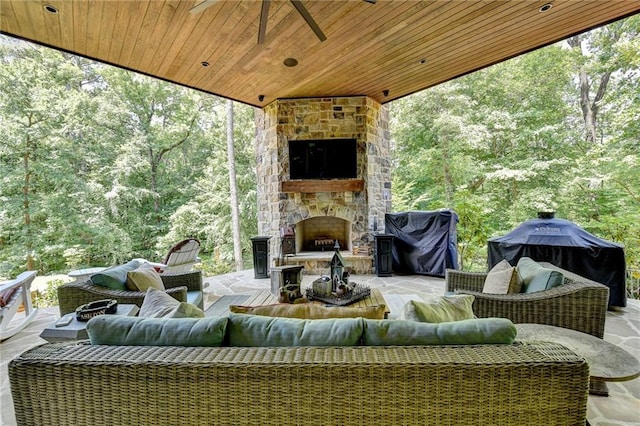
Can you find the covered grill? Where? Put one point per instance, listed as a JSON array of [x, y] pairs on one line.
[[565, 244], [425, 242]]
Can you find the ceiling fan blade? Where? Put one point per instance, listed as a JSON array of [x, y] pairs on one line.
[[264, 16], [308, 19], [202, 6]]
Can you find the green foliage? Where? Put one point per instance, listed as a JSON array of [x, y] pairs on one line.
[[213, 264], [99, 165], [207, 214], [472, 236], [633, 283], [49, 296]]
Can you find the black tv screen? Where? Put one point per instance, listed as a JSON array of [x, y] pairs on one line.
[[323, 159]]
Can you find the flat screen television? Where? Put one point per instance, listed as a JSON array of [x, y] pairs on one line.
[[323, 159]]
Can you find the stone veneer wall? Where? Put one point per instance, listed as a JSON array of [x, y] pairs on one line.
[[356, 117]]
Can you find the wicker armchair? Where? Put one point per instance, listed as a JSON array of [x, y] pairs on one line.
[[72, 295], [580, 304]]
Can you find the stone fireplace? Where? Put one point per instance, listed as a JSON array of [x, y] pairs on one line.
[[321, 210]]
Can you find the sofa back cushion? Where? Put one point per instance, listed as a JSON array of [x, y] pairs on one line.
[[535, 277], [410, 333], [119, 330], [311, 311], [254, 330], [115, 277]]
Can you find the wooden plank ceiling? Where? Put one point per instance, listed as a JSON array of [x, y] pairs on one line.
[[385, 49]]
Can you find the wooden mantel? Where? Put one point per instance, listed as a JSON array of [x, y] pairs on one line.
[[321, 185]]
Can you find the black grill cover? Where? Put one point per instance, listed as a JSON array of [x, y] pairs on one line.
[[568, 246], [424, 242]]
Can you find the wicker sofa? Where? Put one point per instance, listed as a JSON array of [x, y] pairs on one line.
[[185, 287], [579, 304], [518, 384]]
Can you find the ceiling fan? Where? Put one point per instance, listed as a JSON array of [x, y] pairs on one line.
[[264, 16]]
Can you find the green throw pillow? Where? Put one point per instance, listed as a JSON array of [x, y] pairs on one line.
[[119, 330], [440, 309], [115, 277], [410, 333], [254, 330], [535, 277]]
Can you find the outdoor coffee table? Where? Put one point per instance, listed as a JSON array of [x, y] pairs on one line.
[[607, 362], [265, 297], [77, 330]]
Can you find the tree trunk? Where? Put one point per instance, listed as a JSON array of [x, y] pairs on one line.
[[590, 107], [26, 193], [154, 184], [233, 190]]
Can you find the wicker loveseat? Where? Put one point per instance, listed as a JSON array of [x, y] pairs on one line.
[[488, 384], [579, 304], [182, 286]]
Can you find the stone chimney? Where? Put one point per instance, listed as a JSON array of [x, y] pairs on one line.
[[347, 210]]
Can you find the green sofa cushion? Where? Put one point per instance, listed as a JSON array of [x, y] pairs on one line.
[[119, 330], [465, 332], [254, 330], [535, 277], [115, 277]]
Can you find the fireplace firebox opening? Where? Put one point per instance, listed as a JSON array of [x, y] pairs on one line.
[[320, 233]]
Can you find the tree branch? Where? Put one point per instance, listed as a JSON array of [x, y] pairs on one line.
[[627, 190], [180, 142], [602, 88]]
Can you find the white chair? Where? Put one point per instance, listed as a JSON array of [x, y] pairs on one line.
[[180, 258], [15, 293]]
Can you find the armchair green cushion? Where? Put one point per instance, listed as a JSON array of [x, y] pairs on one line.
[[115, 277], [535, 277]]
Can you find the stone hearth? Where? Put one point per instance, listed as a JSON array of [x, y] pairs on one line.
[[349, 210]]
